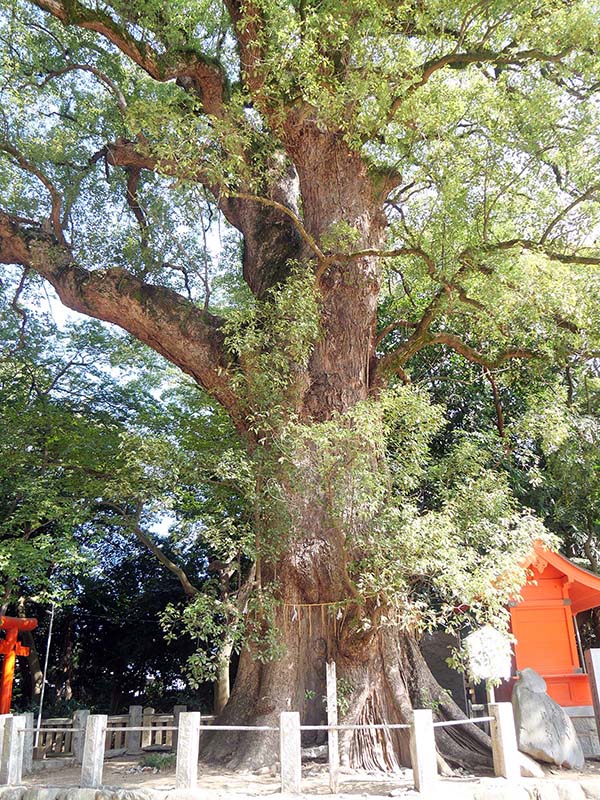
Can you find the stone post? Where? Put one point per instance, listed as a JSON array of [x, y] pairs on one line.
[[93, 751], [3, 718], [80, 718], [133, 739], [177, 710], [11, 772], [147, 715], [592, 665], [423, 754], [290, 753], [332, 736], [188, 743], [504, 741], [28, 743]]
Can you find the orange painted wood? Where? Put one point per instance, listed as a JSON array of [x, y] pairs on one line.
[[18, 623], [11, 648], [543, 625]]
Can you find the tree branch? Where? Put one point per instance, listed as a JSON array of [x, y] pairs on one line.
[[265, 258], [396, 253], [133, 524], [192, 70], [497, 404], [421, 337], [471, 354], [111, 85], [308, 239], [131, 194], [189, 589], [18, 309], [393, 361], [247, 21], [456, 60], [530, 244], [588, 194], [393, 326], [55, 196], [189, 337]]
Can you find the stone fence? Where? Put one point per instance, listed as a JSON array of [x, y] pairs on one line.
[[90, 738]]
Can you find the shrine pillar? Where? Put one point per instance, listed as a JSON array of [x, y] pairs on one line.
[[10, 649]]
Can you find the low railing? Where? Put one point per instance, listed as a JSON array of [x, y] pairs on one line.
[[160, 733], [16, 732], [56, 736], [56, 739], [115, 737]]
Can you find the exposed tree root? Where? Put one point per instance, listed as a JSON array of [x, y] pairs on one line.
[[380, 680]]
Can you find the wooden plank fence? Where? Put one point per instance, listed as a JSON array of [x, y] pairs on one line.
[[57, 734], [54, 742]]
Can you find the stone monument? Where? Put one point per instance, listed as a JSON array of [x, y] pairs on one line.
[[544, 730]]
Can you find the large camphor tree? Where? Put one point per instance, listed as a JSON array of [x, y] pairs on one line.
[[405, 178]]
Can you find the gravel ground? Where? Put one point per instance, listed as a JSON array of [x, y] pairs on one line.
[[125, 772], [216, 783]]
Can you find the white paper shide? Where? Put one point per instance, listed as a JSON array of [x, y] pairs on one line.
[[488, 655]]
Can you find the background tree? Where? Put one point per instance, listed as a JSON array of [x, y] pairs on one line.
[[403, 179], [108, 649], [94, 450]]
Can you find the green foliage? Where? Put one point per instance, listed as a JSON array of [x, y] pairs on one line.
[[345, 690], [159, 762], [88, 440], [482, 122], [341, 237], [211, 623], [272, 340], [556, 451], [462, 551], [374, 468]]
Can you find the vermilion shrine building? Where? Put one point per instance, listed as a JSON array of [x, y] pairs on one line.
[[544, 626], [543, 622]]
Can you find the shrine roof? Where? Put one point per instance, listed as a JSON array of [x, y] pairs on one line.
[[583, 585]]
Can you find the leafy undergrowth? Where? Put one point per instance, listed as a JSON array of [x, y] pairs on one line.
[[161, 762]]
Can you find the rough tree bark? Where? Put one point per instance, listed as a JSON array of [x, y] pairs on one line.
[[381, 670], [34, 668]]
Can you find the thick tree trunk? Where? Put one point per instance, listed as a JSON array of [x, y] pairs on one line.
[[222, 689], [302, 566], [318, 615], [380, 679], [34, 667], [65, 690]]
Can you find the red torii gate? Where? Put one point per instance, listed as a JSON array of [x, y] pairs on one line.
[[10, 649]]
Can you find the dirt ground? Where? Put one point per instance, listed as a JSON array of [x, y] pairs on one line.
[[215, 782], [126, 773]]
